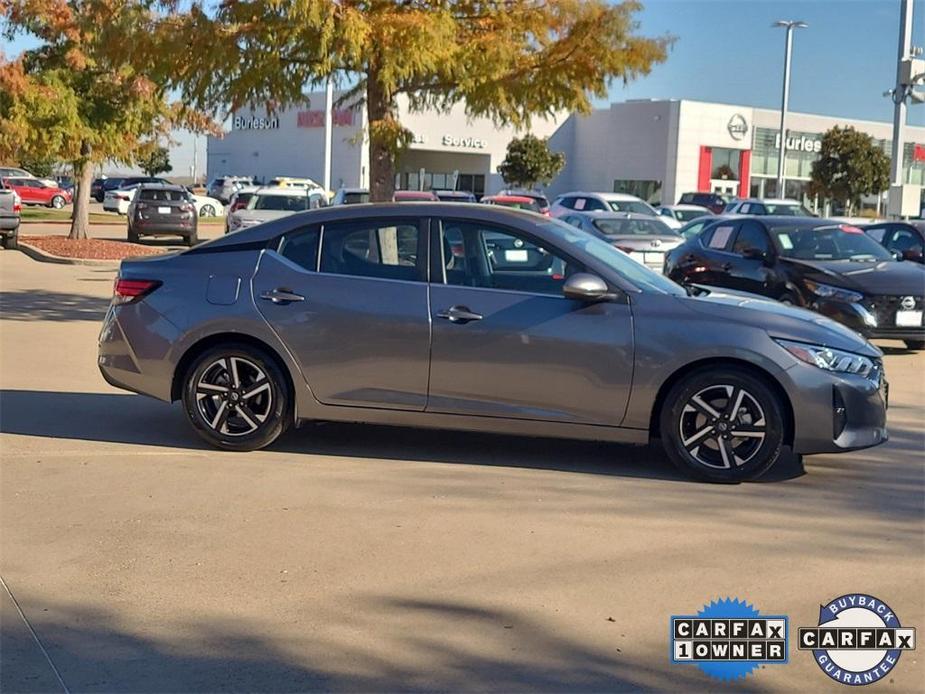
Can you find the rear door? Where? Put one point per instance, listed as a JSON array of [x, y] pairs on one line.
[[707, 259], [355, 315], [507, 343]]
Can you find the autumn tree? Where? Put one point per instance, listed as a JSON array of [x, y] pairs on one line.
[[508, 60], [74, 98], [530, 161], [155, 160], [850, 165]]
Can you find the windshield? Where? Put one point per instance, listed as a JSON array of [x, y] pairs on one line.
[[828, 243], [530, 205], [630, 206], [637, 273], [688, 215], [787, 209], [285, 203], [633, 227]]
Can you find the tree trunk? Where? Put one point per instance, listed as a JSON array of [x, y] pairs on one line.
[[80, 219], [383, 127]]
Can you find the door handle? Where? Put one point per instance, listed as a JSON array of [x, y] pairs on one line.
[[458, 314], [281, 296]]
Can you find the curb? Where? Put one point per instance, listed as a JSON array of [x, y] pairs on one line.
[[68, 222], [44, 257]]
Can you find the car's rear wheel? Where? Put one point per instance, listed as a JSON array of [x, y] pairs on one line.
[[917, 345], [11, 240], [192, 239], [133, 236], [722, 425], [57, 202], [236, 398], [207, 211]]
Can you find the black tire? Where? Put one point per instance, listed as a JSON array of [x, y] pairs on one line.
[[915, 345], [133, 236], [710, 440], [11, 240], [58, 202], [192, 239], [232, 428]]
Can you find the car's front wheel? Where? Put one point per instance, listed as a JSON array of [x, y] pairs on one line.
[[722, 425], [236, 398], [207, 211], [58, 202]]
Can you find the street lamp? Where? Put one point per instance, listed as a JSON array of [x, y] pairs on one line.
[[789, 25]]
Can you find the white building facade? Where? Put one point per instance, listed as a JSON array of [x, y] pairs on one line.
[[656, 149]]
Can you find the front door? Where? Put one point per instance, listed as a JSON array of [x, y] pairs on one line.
[[355, 317], [507, 343], [748, 270]]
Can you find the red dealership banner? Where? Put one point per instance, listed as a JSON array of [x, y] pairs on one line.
[[315, 119]]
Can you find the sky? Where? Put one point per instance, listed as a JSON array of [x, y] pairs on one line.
[[727, 51]]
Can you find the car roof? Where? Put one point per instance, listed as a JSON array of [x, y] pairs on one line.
[[282, 190], [509, 198], [685, 206], [773, 201], [606, 196], [154, 185], [610, 214]]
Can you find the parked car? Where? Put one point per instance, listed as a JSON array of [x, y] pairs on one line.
[[239, 200], [644, 239], [96, 188], [541, 200], [118, 199], [14, 172], [206, 206], [292, 182], [33, 191], [413, 196], [223, 187], [455, 196], [768, 206], [162, 210], [676, 216], [305, 325], [906, 239], [520, 202], [610, 202], [272, 203], [107, 185], [10, 213], [350, 196], [715, 202], [834, 269]]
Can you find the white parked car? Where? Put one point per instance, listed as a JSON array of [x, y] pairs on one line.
[[350, 196], [223, 187], [118, 200], [208, 207], [676, 216], [608, 202], [272, 203]]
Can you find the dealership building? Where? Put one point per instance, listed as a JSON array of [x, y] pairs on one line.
[[656, 149]]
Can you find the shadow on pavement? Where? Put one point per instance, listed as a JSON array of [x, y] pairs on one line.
[[390, 644], [43, 305]]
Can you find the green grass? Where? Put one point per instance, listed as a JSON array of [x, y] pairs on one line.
[[45, 214]]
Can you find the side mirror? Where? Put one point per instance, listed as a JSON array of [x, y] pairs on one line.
[[583, 286], [913, 255], [897, 255]]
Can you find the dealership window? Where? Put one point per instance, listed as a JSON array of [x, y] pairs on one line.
[[411, 180], [725, 164], [650, 191]]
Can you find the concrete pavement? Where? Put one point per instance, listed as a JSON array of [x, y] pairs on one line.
[[368, 558]]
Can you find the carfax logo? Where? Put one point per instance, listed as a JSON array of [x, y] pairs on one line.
[[858, 639], [729, 638]]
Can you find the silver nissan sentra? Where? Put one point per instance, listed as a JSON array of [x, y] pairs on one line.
[[482, 318]]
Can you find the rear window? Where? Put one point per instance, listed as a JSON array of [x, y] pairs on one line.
[[787, 210], [284, 203], [689, 215], [629, 206], [632, 227], [355, 198], [162, 195]]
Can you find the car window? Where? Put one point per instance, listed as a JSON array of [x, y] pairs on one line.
[[842, 242], [479, 255], [751, 236], [718, 238], [904, 240], [383, 249], [687, 198], [301, 247], [162, 195], [788, 210], [594, 204], [647, 226], [280, 203], [630, 206], [876, 233]]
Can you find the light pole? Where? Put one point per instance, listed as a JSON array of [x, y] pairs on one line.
[[789, 25]]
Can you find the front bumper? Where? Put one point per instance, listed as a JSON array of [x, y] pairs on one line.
[[874, 318], [835, 412]]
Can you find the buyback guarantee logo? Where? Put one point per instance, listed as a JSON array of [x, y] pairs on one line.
[[858, 639], [729, 638]]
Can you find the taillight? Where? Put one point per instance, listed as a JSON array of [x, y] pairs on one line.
[[17, 206], [126, 291], [187, 207]]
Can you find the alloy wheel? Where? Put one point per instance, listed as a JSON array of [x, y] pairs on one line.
[[234, 396], [722, 426]]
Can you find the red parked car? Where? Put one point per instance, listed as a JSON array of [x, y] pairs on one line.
[[32, 191], [414, 196], [520, 202]]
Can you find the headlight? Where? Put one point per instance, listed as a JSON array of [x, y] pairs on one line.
[[827, 291], [831, 359]]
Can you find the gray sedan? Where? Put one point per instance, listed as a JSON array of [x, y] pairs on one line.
[[643, 238], [481, 318]]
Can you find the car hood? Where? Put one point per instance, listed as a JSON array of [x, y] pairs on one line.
[[780, 320], [260, 216], [882, 277]]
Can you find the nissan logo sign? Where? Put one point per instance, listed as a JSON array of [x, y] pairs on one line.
[[737, 127], [908, 303]]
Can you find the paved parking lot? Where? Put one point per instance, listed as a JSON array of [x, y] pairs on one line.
[[366, 558]]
